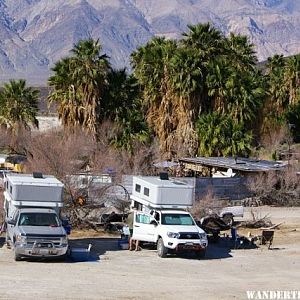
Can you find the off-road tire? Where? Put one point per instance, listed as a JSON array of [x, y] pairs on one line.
[[18, 257], [200, 254], [7, 241], [162, 251]]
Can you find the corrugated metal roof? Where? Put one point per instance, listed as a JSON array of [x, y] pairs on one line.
[[240, 164]]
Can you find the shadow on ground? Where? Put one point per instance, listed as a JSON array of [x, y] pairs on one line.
[[99, 246], [2, 241], [217, 249]]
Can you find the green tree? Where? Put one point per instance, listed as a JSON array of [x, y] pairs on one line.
[[151, 65], [292, 79], [122, 105], [204, 72], [206, 39], [219, 135], [18, 106], [78, 85]]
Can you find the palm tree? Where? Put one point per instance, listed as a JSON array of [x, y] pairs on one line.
[[122, 105], [78, 85], [240, 52], [18, 106], [206, 39], [292, 78], [219, 135], [210, 129], [277, 90], [151, 65]]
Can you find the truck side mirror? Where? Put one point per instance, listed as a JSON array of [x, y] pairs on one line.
[[154, 222], [11, 222]]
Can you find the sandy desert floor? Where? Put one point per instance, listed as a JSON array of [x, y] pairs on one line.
[[111, 273]]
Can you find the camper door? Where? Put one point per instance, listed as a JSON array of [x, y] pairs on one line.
[[143, 227]]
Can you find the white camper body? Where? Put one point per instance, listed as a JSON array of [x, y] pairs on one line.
[[23, 190], [157, 193], [32, 206]]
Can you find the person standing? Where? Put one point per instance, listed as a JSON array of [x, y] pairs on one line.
[[129, 222]]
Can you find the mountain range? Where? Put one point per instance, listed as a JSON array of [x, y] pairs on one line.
[[34, 34]]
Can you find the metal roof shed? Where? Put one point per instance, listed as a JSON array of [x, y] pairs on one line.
[[244, 165]]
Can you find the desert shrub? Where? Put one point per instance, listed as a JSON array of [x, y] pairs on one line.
[[207, 205], [280, 188]]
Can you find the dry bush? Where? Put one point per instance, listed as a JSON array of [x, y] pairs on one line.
[[273, 135], [207, 205], [15, 143], [262, 183], [257, 221], [281, 188], [59, 153]]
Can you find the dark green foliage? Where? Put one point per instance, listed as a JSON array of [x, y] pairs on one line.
[[18, 106], [220, 135]]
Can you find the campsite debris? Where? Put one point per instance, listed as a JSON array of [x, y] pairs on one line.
[[257, 222], [273, 227]]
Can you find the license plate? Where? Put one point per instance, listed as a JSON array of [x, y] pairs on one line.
[[189, 244], [44, 252]]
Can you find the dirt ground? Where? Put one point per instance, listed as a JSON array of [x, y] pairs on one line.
[[120, 274]]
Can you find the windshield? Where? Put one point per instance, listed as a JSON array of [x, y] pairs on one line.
[[38, 219], [177, 219]]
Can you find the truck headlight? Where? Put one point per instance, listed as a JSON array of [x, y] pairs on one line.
[[202, 236], [64, 240], [173, 235], [20, 238]]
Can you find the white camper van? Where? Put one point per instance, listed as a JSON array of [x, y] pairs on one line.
[[32, 204], [161, 215]]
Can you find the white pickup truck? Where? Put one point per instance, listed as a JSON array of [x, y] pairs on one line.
[[174, 231], [32, 204], [161, 217]]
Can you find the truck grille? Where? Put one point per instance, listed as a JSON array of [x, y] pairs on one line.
[[189, 236], [43, 240]]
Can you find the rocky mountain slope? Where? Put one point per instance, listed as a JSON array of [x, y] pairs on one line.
[[34, 34]]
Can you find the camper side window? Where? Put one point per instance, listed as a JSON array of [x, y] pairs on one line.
[[146, 191], [138, 188]]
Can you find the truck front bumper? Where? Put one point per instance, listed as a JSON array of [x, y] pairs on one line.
[[34, 251], [186, 245]]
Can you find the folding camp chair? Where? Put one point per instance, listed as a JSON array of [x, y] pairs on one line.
[[267, 238]]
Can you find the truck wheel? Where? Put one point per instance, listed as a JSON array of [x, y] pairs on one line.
[[17, 257], [162, 251], [7, 241], [228, 219], [200, 254]]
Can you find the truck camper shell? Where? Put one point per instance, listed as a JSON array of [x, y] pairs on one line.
[[167, 193], [30, 190]]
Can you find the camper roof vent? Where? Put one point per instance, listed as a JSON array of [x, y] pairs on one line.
[[163, 176], [37, 175]]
